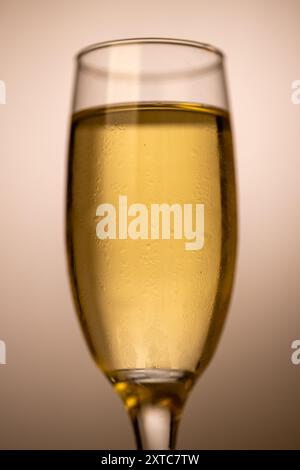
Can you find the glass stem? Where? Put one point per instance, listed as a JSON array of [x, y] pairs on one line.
[[155, 427]]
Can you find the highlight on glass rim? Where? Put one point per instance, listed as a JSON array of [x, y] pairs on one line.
[[150, 173]]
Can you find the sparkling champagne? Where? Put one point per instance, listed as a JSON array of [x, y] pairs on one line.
[[150, 308]]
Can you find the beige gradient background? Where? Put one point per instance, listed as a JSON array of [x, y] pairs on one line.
[[51, 394]]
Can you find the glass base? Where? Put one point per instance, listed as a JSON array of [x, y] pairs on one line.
[[154, 399]]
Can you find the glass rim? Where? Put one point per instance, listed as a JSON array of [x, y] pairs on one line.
[[150, 40]]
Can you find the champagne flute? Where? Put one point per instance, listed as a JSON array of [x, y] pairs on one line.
[[151, 220]]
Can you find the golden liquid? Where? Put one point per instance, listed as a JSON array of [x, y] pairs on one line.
[[151, 304]]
